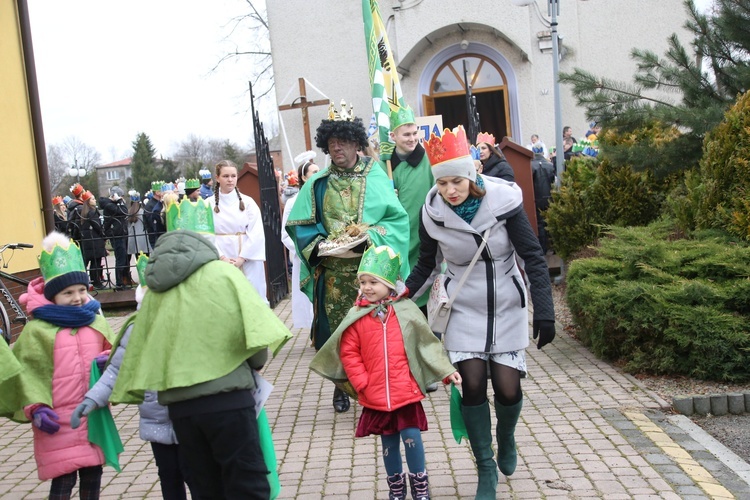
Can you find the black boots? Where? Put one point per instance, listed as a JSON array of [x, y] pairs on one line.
[[478, 427], [507, 417], [340, 400], [397, 486]]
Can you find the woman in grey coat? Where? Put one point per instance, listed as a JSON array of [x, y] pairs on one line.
[[489, 318]]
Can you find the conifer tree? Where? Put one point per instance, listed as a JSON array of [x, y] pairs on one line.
[[667, 135], [143, 164]]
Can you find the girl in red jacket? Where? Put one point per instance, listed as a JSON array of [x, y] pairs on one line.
[[389, 356]]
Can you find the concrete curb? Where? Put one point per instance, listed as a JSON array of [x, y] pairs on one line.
[[733, 403]]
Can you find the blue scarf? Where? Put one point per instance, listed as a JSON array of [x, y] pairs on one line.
[[468, 209], [68, 316]]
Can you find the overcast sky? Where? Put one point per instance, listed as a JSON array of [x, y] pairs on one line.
[[109, 70]]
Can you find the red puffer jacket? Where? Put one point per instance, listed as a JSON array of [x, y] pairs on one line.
[[374, 359]]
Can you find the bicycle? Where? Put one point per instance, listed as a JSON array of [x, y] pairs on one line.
[[5, 322]]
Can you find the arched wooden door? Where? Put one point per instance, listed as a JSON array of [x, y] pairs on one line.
[[488, 85]]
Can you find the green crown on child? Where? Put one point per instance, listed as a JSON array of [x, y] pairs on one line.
[[61, 261], [194, 216], [381, 262]]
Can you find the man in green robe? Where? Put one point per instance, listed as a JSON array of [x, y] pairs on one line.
[[412, 178], [338, 213]]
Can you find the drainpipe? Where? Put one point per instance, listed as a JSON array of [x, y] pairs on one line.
[[36, 115]]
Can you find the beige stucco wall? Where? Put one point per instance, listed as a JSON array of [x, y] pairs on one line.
[[21, 219], [323, 41]]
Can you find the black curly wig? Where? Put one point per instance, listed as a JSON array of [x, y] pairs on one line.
[[353, 131]]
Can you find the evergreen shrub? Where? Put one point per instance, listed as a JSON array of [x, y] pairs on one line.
[[596, 193], [718, 196], [666, 306]]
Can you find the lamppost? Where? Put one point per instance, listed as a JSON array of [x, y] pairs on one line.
[[553, 10], [77, 172]]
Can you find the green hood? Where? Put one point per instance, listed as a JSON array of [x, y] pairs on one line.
[[176, 256]]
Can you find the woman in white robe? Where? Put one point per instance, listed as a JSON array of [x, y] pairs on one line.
[[302, 309], [239, 227]]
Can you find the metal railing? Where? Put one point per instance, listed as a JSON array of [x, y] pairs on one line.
[[110, 249]]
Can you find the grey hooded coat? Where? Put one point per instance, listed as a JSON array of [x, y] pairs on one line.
[[490, 312]]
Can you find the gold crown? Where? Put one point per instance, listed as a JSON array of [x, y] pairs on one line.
[[342, 114]]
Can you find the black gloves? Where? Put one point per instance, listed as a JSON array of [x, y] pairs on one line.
[[545, 330]]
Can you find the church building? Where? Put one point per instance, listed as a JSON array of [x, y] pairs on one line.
[[506, 49]]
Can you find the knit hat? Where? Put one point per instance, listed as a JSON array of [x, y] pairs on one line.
[[61, 264], [382, 263], [449, 155]]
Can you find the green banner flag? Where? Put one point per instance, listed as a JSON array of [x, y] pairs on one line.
[[385, 85]]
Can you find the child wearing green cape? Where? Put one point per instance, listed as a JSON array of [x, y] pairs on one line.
[[387, 353], [56, 350]]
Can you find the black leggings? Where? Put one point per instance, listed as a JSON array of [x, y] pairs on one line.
[[91, 482], [506, 382]]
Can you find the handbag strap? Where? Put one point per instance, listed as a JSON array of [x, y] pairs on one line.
[[471, 266]]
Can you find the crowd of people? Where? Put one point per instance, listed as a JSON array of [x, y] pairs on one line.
[[366, 239]]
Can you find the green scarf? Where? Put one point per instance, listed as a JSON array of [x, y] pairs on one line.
[[34, 350], [427, 360], [197, 331], [468, 209]]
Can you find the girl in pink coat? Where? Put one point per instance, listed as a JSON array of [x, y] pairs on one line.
[[56, 350]]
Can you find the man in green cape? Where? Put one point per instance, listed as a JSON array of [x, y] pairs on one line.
[[342, 210]]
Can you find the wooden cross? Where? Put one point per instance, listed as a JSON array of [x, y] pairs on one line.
[[303, 104]]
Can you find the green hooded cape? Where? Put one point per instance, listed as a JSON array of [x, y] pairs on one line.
[[427, 360], [34, 350], [379, 208], [199, 321]]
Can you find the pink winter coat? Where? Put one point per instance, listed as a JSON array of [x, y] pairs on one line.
[[68, 449]]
